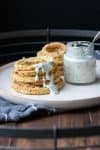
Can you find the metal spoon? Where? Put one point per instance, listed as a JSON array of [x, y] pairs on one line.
[[96, 37]]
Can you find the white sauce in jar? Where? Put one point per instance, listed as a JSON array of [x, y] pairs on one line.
[[79, 63]]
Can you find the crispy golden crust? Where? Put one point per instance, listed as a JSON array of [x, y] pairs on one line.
[[33, 73], [29, 63], [31, 79], [55, 66], [33, 90], [29, 76], [30, 90], [53, 49], [37, 83], [53, 54]]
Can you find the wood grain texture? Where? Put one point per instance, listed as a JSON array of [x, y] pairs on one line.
[[76, 118], [6, 141]]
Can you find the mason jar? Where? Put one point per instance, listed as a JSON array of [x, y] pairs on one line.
[[79, 62]]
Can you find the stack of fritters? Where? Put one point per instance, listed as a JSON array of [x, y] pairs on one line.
[[55, 50], [37, 75]]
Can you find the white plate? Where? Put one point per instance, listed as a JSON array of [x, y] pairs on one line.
[[70, 97]]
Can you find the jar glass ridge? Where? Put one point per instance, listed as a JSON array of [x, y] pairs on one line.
[[80, 49]]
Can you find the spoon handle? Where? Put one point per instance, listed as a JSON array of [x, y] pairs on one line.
[[96, 37]]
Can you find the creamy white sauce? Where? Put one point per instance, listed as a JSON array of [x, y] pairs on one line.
[[62, 77], [37, 68], [81, 71], [46, 67], [79, 65], [52, 86]]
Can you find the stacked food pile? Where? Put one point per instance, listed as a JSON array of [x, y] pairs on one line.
[[55, 50], [43, 74]]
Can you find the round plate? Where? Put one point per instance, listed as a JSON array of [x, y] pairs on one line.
[[70, 97]]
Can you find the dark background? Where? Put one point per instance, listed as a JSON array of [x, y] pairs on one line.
[[35, 14], [42, 14]]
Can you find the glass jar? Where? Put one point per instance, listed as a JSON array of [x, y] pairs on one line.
[[79, 62]]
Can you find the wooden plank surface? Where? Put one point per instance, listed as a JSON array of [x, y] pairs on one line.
[[78, 118]]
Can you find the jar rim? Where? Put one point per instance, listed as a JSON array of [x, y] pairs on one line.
[[79, 44]]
